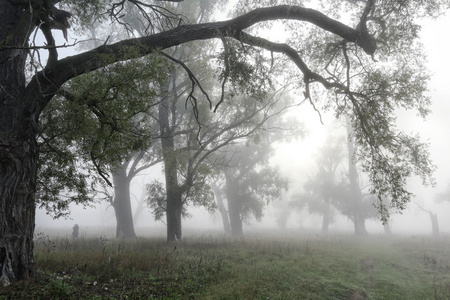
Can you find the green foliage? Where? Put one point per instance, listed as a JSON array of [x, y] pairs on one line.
[[330, 186], [258, 188], [198, 195], [249, 178], [86, 12], [57, 289], [99, 120], [198, 11], [201, 194], [246, 69], [110, 107], [156, 199], [365, 208], [62, 182]]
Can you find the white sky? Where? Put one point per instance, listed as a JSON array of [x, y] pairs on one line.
[[435, 130]]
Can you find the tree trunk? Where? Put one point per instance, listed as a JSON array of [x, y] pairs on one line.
[[433, 219], [234, 206], [360, 223], [173, 215], [174, 201], [18, 150], [122, 203], [355, 190], [18, 163], [223, 211], [387, 228], [139, 209], [434, 223], [235, 217], [326, 217]]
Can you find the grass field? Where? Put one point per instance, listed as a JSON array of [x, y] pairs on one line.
[[257, 267]]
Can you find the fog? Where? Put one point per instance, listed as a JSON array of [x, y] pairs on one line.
[[295, 162]]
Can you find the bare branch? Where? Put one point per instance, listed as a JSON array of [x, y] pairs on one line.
[[193, 78], [225, 73]]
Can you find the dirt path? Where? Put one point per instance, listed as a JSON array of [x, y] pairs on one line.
[[367, 269]]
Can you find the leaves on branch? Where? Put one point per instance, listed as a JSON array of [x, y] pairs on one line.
[[99, 120]]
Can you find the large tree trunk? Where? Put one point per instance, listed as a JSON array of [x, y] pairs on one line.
[[18, 150], [234, 206], [173, 215], [433, 219], [360, 224], [122, 203], [174, 200], [18, 163], [139, 209], [235, 216]]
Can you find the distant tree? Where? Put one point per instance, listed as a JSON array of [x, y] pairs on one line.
[[190, 154], [184, 152], [389, 74], [249, 182], [335, 187], [245, 180], [219, 195], [433, 219], [351, 202], [322, 189], [122, 175], [283, 210]]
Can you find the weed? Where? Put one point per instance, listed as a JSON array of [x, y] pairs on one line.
[[57, 289]]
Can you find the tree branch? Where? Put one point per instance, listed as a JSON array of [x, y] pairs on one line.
[[46, 83]]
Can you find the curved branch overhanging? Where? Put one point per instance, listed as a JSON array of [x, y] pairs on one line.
[[47, 82]]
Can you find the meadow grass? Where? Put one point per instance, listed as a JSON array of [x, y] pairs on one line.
[[254, 267]]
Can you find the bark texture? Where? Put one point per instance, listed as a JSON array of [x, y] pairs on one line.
[[122, 203], [173, 190], [222, 209], [18, 151], [358, 218], [234, 206]]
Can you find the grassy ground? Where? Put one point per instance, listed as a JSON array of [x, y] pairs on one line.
[[206, 267]]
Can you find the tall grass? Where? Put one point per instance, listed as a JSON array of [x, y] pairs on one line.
[[255, 267]]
